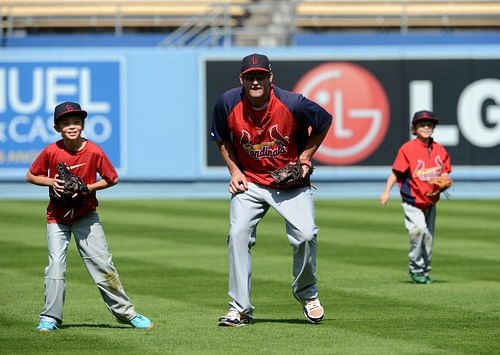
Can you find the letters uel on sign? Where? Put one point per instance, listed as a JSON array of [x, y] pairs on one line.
[[27, 124]]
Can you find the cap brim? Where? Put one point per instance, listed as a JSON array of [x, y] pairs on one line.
[[255, 69], [434, 119], [80, 113]]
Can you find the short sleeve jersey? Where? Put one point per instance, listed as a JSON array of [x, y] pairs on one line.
[[416, 164], [85, 163], [269, 140]]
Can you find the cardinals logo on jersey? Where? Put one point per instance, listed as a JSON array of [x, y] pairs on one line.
[[271, 149], [426, 174]]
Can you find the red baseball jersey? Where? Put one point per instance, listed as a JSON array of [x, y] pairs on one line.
[[268, 139], [417, 163], [85, 163]]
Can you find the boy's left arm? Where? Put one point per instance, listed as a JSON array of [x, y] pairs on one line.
[[446, 167], [102, 184], [106, 171]]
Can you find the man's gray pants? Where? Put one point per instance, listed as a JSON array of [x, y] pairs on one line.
[[420, 225], [92, 246], [248, 208]]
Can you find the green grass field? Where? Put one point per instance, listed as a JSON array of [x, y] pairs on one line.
[[172, 260]]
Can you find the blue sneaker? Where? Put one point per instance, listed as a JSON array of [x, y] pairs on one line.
[[141, 322], [46, 326]]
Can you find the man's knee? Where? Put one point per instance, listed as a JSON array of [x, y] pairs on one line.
[[305, 234], [56, 271], [243, 234]]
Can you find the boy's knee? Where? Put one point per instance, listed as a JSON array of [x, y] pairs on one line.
[[416, 231]]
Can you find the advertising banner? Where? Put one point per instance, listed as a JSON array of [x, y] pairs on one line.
[[31, 88], [372, 102]]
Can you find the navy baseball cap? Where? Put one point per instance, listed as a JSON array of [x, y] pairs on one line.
[[424, 115], [255, 62], [68, 109]]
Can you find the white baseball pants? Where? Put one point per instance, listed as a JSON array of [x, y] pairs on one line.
[[93, 248], [420, 225], [248, 208]]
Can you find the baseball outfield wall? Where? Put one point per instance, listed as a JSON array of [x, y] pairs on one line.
[[150, 108]]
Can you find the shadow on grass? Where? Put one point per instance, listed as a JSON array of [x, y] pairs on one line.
[[433, 282], [96, 326], [289, 321]]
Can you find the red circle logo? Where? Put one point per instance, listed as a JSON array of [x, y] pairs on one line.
[[358, 104]]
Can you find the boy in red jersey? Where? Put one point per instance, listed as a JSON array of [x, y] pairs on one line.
[[418, 161], [259, 127], [84, 159]]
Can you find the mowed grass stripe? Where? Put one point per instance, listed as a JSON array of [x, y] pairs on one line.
[[178, 275]]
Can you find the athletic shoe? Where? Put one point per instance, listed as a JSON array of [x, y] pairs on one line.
[[46, 326], [233, 318], [418, 277], [429, 281], [313, 310], [141, 322]]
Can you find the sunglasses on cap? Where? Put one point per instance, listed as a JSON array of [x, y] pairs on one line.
[[255, 76]]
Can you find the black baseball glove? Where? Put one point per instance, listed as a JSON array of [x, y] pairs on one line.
[[72, 185], [291, 174]]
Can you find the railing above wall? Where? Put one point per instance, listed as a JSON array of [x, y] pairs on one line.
[[222, 21], [414, 14], [19, 15]]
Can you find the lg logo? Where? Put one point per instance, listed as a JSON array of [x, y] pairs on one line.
[[359, 106]]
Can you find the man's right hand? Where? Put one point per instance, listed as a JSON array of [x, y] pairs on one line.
[[238, 183]]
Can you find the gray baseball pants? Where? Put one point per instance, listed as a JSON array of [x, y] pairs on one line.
[[420, 225], [248, 208], [92, 246]]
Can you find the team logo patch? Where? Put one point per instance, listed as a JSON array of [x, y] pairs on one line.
[[277, 146], [426, 174]]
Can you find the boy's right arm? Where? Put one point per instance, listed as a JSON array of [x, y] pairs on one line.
[[56, 184], [391, 180]]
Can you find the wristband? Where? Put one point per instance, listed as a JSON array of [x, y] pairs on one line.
[[306, 162]]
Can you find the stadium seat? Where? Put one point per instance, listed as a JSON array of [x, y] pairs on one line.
[[97, 13], [416, 13]]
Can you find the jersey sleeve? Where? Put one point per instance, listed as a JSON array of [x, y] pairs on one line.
[[313, 114], [446, 163], [40, 166], [225, 104], [220, 130], [104, 167], [401, 163], [306, 112]]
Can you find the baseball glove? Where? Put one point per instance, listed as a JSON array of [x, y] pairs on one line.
[[72, 185], [291, 174], [441, 183]]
